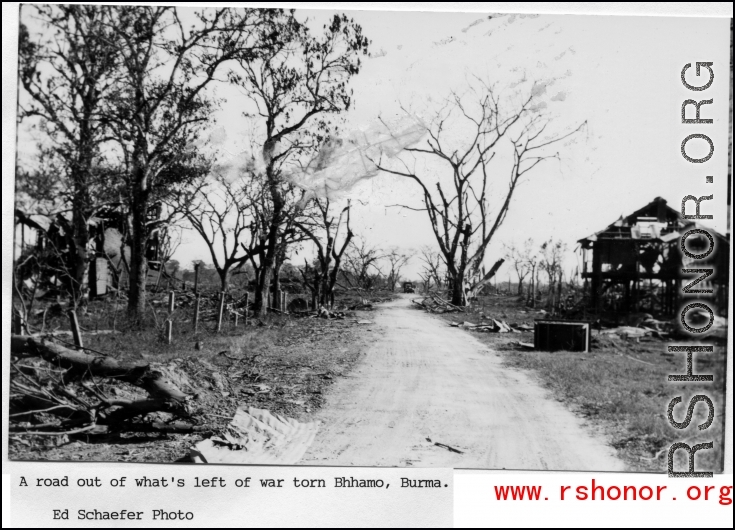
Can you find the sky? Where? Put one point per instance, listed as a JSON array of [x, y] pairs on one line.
[[620, 75]]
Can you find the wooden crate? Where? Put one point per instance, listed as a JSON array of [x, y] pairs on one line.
[[555, 335]]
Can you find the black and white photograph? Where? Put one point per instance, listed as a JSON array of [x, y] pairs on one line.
[[370, 238]]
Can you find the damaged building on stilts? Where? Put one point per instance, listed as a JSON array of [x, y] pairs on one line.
[[635, 264]]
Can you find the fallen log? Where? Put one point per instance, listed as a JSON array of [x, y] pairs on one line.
[[130, 409], [174, 427], [35, 404], [82, 364], [440, 300], [56, 433], [69, 333]]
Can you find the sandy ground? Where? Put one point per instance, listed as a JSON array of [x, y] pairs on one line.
[[424, 382]]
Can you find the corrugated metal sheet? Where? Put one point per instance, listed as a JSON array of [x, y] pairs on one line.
[[257, 436]]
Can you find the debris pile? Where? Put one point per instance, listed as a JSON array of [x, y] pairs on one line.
[[641, 325], [435, 304], [60, 391], [491, 326], [323, 312], [367, 304]]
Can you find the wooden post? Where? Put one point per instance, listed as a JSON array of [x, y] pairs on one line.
[[18, 324], [196, 313], [171, 302], [247, 300], [160, 272], [236, 315], [76, 333], [169, 329], [221, 310], [284, 302], [196, 278], [117, 304]]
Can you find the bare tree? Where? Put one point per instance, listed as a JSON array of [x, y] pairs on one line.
[[221, 212], [533, 265], [324, 229], [296, 86], [433, 267], [396, 260], [458, 205], [552, 254], [288, 236], [361, 268], [169, 240], [522, 259]]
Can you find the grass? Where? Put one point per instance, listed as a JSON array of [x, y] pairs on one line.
[[620, 387], [280, 363]]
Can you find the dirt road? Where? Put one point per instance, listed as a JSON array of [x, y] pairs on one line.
[[424, 380]]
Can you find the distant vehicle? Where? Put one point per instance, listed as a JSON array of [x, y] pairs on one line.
[[408, 287]]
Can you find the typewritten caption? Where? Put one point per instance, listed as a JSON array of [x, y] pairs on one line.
[[163, 502]]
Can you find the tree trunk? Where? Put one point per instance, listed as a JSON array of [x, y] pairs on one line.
[[316, 291], [475, 289], [138, 263], [324, 289], [277, 285], [458, 290], [333, 274], [550, 289], [80, 241], [81, 207], [223, 279], [559, 286], [270, 253], [86, 365], [266, 272]]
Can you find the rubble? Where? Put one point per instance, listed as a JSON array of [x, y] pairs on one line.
[[435, 304], [493, 326], [626, 331], [71, 391]]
